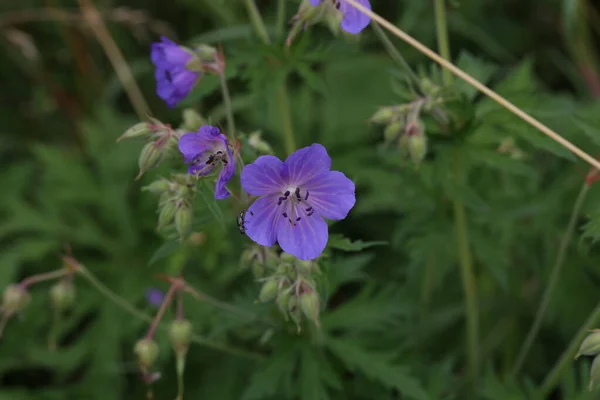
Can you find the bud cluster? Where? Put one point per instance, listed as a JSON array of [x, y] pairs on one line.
[[291, 285], [162, 140], [176, 197]]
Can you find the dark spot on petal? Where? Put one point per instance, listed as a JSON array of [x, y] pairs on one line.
[[251, 213]]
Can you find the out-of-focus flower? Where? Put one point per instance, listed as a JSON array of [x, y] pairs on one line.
[[353, 20], [155, 297]]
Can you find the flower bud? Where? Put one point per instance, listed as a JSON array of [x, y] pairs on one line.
[[590, 346], [180, 333], [594, 373], [311, 306], [62, 295], [287, 257], [268, 291], [294, 311], [417, 148], [258, 269], [15, 299], [149, 158], [194, 65], [146, 351], [257, 143], [158, 187], [138, 130], [206, 52], [192, 121], [167, 213], [383, 116], [183, 220], [392, 131], [283, 302]]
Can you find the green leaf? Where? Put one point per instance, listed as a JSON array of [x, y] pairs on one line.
[[165, 250], [339, 242], [377, 367], [274, 373]]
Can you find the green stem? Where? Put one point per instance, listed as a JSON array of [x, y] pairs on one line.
[[280, 23], [124, 304], [566, 357], [464, 252], [558, 263], [228, 106], [442, 37], [257, 20], [393, 52], [286, 118], [48, 276]]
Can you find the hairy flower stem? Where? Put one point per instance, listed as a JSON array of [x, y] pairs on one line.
[[127, 306], [558, 263], [228, 106], [280, 23], [286, 118], [257, 20], [465, 257], [282, 93]]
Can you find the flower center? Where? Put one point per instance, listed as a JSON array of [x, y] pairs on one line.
[[208, 163], [295, 204]]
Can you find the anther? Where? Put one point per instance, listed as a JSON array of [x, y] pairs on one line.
[[309, 209], [297, 192], [284, 215], [287, 193], [311, 213], [298, 219], [306, 197]]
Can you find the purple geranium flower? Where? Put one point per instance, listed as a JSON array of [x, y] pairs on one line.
[[155, 297], [173, 80], [203, 150], [295, 196], [353, 20]]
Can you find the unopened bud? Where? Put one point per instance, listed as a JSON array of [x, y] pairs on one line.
[[383, 116], [283, 302], [294, 311], [192, 121], [206, 52], [311, 306], [180, 333], [194, 65], [146, 351], [590, 346], [304, 266], [257, 143], [15, 299], [417, 148], [392, 131], [149, 158], [138, 130], [62, 295], [287, 257], [258, 269], [158, 187], [594, 373], [183, 220], [167, 213], [268, 291]]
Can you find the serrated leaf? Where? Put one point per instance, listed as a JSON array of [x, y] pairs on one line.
[[339, 242], [377, 367], [271, 375]]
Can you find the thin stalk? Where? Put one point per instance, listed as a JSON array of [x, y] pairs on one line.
[[558, 263], [115, 56], [217, 304], [161, 311], [48, 276], [465, 257], [566, 358], [394, 53], [257, 20], [125, 305], [476, 84], [441, 25], [286, 118], [227, 104], [280, 23]]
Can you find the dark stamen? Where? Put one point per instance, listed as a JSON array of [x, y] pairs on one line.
[[287, 193], [284, 215], [308, 209], [311, 213], [289, 219], [306, 197], [298, 219], [251, 213]]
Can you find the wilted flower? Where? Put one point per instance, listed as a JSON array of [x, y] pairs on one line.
[[155, 297], [174, 80], [295, 196], [203, 150], [353, 20]]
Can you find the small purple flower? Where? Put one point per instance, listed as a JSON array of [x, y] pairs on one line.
[[173, 80], [155, 297], [203, 150], [353, 20], [294, 197]]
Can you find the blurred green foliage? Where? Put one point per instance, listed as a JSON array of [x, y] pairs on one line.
[[393, 326]]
